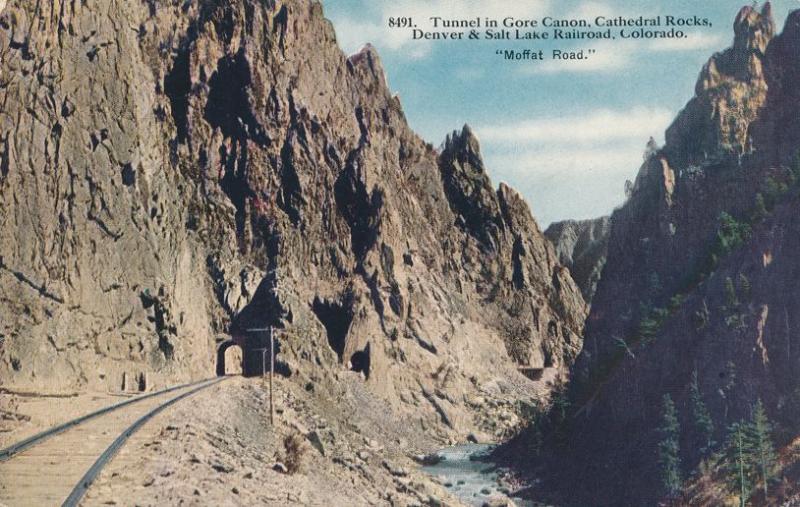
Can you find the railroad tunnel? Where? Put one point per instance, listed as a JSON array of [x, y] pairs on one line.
[[252, 354], [228, 361]]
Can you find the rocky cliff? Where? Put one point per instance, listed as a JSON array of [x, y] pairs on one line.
[[581, 246], [175, 171], [698, 280]]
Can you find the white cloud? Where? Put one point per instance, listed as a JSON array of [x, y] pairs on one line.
[[582, 182], [587, 157], [578, 161], [594, 127], [694, 42], [372, 26], [563, 182], [609, 56], [613, 56], [353, 34], [591, 9]]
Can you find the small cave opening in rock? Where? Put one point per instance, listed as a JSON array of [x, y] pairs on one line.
[[336, 317], [177, 86], [360, 361]]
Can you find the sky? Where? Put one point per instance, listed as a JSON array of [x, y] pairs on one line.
[[567, 135]]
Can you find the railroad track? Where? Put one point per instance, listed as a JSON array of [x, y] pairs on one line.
[[57, 466]]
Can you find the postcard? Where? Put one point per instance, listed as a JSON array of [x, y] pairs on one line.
[[403, 253]]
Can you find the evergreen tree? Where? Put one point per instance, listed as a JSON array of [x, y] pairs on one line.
[[669, 448], [763, 452], [703, 423], [750, 454], [738, 455], [731, 234]]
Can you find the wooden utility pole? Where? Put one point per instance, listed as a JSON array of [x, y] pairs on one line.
[[263, 351], [271, 374], [275, 290]]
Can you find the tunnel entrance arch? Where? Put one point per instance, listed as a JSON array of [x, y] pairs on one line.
[[222, 367]]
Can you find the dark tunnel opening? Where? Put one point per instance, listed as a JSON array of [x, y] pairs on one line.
[[222, 348]]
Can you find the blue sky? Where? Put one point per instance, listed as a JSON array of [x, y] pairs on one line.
[[567, 136]]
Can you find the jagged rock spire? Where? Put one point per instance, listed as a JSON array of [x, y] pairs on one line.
[[753, 30]]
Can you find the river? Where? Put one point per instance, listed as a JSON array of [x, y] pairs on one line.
[[473, 481]]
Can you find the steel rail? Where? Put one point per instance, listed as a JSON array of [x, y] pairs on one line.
[[86, 481], [9, 452]]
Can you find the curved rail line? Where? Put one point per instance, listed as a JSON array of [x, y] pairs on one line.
[[54, 453], [9, 452], [91, 474]]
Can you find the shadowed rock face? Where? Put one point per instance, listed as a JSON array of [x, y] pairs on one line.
[[686, 289], [219, 166], [581, 246], [469, 191]]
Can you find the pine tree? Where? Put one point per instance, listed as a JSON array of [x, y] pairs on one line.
[[669, 448], [764, 457], [731, 234], [703, 423], [750, 454], [738, 455]]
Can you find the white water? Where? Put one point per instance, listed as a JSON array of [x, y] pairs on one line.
[[474, 482]]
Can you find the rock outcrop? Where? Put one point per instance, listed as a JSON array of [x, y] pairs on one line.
[[581, 246], [170, 173], [698, 279]]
